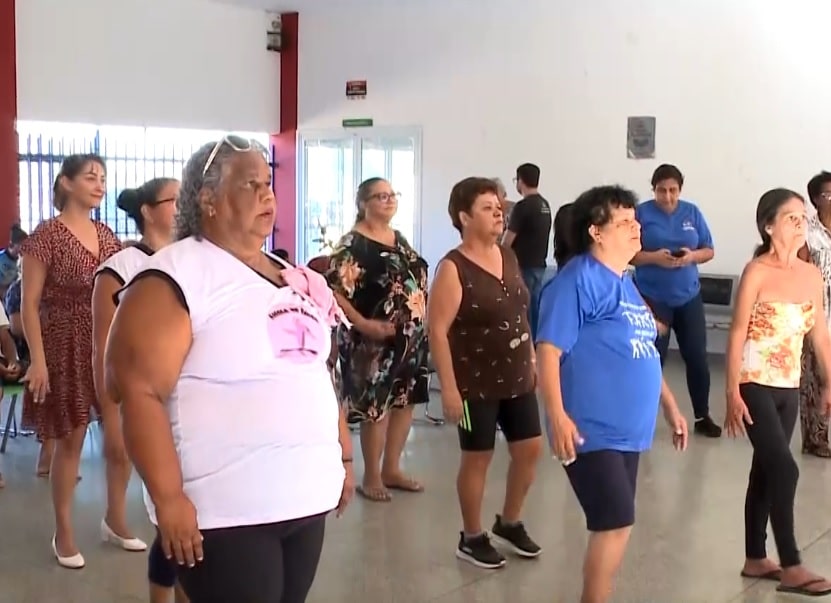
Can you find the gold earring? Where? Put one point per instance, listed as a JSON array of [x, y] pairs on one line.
[[211, 212]]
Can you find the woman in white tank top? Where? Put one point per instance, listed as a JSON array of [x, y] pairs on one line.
[[152, 207], [217, 353]]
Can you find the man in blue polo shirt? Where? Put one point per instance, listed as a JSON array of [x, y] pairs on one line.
[[675, 239]]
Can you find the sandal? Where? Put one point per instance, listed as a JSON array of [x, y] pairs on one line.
[[805, 590], [773, 575], [374, 494]]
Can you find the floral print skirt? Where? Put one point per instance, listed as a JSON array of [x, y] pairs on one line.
[[379, 376]]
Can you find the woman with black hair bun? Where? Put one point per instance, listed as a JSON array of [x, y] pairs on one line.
[[152, 208]]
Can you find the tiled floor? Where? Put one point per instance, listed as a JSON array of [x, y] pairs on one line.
[[686, 548]]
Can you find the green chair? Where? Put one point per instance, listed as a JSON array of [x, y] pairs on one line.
[[14, 392]]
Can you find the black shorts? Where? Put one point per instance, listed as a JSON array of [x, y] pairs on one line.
[[605, 483], [519, 419]]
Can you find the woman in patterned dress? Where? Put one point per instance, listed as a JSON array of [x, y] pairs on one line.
[[381, 282], [59, 261], [817, 250]]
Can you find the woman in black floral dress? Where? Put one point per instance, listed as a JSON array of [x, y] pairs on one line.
[[381, 284]]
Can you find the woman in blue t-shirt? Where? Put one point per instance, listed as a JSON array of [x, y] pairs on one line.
[[675, 239], [593, 317]]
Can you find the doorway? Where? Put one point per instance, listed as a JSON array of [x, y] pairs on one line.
[[332, 165]]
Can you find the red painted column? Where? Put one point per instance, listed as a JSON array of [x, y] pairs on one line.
[[9, 176], [285, 141]]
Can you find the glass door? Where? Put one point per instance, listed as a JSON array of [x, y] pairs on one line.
[[394, 159], [328, 182], [333, 163]]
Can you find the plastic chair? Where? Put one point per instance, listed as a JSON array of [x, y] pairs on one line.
[[10, 429], [428, 418]]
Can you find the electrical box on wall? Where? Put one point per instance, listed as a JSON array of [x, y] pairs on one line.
[[274, 32]]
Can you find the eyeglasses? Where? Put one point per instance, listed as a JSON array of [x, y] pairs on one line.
[[238, 144], [385, 197]]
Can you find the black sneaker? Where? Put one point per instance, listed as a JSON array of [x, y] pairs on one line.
[[515, 538], [479, 552], [707, 428]]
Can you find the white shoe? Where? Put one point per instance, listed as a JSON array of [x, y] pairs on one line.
[[75, 561], [127, 544]]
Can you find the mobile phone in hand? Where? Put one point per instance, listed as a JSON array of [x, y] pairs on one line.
[[679, 253]]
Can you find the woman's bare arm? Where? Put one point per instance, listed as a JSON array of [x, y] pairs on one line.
[[548, 378], [442, 306], [7, 345], [16, 324], [34, 277], [356, 318], [103, 309], [745, 298], [149, 338]]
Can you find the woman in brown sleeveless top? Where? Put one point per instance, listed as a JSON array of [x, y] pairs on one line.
[[482, 347]]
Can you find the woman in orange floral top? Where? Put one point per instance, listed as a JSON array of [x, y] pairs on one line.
[[779, 302], [381, 283]]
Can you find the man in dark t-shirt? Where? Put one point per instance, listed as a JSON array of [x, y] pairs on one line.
[[529, 233]]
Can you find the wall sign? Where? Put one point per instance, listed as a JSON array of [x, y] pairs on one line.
[[355, 89], [640, 138]]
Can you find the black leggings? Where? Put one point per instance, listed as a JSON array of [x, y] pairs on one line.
[[771, 488], [271, 563], [161, 571]]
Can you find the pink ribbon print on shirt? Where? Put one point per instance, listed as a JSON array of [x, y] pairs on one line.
[[293, 328]]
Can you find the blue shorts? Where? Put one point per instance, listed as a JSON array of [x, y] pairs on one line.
[[605, 483]]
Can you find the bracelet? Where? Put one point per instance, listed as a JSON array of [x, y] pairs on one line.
[[346, 460]]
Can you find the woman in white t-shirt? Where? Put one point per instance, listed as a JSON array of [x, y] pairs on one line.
[[152, 207], [218, 353]]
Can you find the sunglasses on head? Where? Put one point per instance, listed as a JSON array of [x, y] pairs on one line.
[[238, 144]]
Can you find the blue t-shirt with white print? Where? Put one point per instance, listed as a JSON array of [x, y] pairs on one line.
[[686, 227], [610, 369]]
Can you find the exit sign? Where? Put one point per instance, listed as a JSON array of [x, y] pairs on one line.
[[363, 122]]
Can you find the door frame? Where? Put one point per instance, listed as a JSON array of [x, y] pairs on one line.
[[356, 135]]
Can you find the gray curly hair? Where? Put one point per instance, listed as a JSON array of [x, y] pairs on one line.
[[188, 208]]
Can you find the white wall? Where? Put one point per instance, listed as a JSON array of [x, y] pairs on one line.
[[740, 90], [174, 63]]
